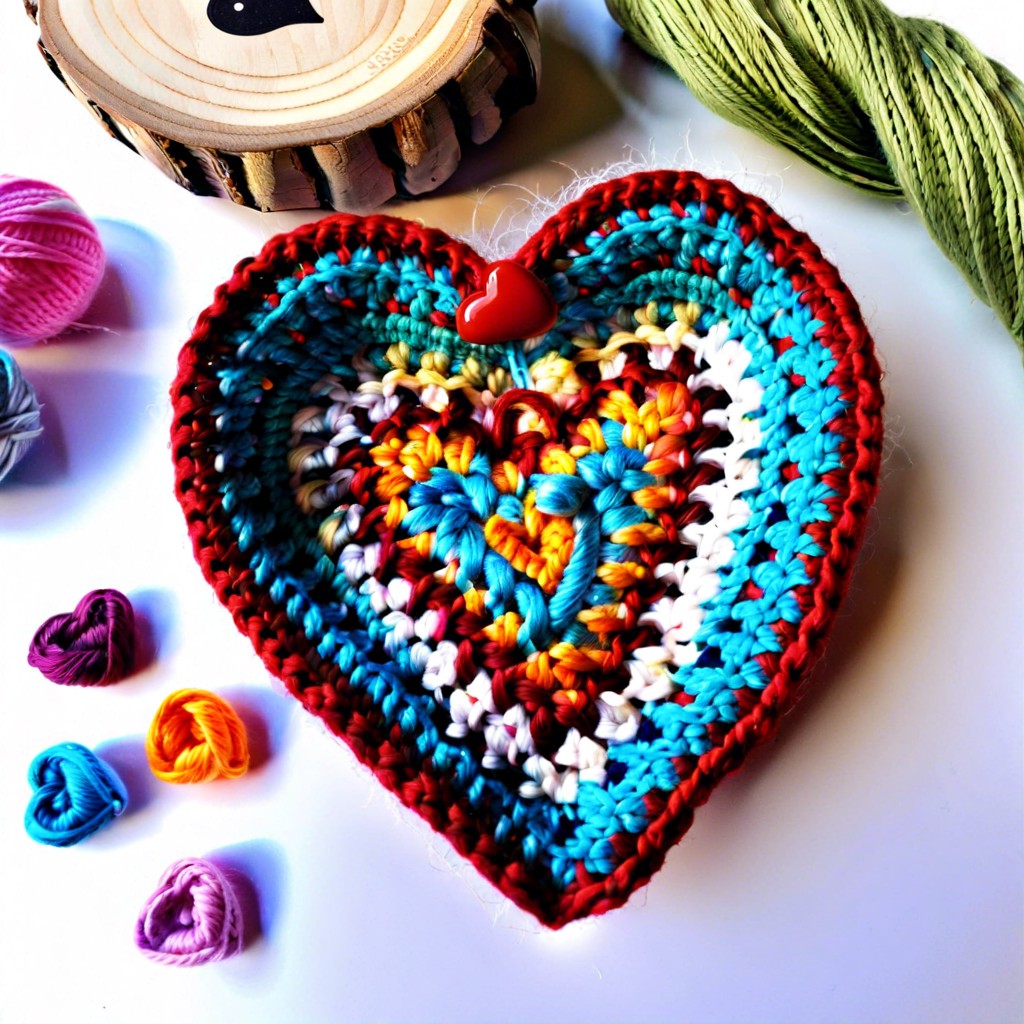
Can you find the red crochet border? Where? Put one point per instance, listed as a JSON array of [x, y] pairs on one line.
[[321, 687]]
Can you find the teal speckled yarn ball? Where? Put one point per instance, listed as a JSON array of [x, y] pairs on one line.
[[19, 414]]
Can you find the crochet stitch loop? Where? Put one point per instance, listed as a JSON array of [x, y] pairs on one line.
[[896, 106], [550, 617], [196, 736]]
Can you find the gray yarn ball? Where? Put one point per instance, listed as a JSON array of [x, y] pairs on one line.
[[19, 414]]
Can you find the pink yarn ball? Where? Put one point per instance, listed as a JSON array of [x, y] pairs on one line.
[[51, 260]]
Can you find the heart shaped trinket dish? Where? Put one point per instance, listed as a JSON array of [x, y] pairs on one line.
[[550, 589]]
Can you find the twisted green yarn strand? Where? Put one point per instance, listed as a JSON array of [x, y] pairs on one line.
[[901, 107]]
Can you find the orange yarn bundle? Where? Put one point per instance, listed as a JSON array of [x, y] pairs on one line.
[[196, 736]]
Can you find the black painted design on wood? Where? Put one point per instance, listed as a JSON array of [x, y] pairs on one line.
[[257, 17]]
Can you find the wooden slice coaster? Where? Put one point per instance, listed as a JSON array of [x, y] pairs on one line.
[[292, 104]]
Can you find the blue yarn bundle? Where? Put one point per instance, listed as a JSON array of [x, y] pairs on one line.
[[76, 794]]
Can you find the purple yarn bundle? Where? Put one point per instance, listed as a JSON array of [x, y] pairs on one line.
[[92, 646], [193, 918]]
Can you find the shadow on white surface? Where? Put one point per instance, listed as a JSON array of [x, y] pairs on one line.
[[156, 625], [92, 421], [637, 79], [265, 715], [127, 756], [257, 872], [135, 290], [111, 309], [540, 131]]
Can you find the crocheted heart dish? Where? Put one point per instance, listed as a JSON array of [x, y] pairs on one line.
[[549, 588]]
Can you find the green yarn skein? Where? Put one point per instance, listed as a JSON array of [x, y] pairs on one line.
[[902, 107]]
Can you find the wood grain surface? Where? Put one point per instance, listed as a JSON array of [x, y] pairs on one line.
[[285, 104]]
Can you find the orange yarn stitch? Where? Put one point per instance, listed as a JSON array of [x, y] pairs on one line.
[[196, 736]]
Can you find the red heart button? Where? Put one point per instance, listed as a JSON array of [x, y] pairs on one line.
[[514, 304]]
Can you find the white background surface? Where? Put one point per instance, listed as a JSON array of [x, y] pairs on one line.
[[866, 867]]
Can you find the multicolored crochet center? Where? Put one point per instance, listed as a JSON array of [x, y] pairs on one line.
[[551, 591]]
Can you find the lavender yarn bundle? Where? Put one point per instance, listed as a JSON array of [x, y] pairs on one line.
[[19, 414], [51, 260], [193, 918], [91, 646]]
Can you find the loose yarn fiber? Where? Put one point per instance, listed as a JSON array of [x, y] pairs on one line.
[[19, 414], [51, 260], [193, 918], [75, 794], [92, 646], [896, 106], [197, 736]]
